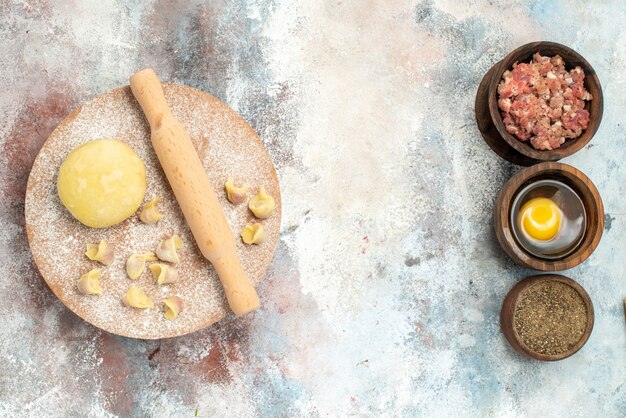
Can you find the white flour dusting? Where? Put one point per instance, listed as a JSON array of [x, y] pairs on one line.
[[228, 148]]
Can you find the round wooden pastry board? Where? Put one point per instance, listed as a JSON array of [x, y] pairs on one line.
[[228, 148]]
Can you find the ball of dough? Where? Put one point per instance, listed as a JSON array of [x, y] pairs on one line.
[[102, 182]]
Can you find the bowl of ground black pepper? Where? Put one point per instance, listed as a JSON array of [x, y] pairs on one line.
[[547, 317]]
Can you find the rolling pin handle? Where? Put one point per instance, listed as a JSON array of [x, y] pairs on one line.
[[240, 293], [147, 89]]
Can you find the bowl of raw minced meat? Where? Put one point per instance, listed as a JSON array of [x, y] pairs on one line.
[[542, 102]]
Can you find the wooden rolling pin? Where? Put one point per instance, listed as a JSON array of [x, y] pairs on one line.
[[193, 191]]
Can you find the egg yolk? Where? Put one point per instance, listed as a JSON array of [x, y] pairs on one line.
[[540, 218]]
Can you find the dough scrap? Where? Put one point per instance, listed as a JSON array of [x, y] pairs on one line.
[[163, 273], [89, 283], [150, 213], [253, 234], [166, 250], [102, 182], [136, 263], [136, 298], [262, 204], [102, 252], [235, 195], [173, 306]]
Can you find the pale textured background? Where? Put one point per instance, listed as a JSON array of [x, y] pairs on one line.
[[384, 293]]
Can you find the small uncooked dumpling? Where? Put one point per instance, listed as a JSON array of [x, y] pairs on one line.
[[166, 250], [234, 194], [136, 298], [102, 252], [102, 182], [262, 204], [150, 213], [253, 234], [89, 283], [173, 306], [136, 263], [163, 273]]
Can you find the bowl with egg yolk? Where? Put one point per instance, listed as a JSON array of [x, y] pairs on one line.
[[549, 217]]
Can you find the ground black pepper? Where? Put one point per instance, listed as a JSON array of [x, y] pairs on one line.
[[550, 317]]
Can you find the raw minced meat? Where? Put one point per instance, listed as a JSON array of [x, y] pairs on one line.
[[543, 103]]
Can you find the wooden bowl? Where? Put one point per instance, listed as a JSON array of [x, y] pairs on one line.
[[572, 177], [507, 315], [489, 118]]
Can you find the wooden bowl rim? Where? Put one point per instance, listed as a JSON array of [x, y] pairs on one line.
[[509, 190], [524, 148], [515, 294]]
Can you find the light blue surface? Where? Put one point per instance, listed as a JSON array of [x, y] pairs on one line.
[[384, 295]]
